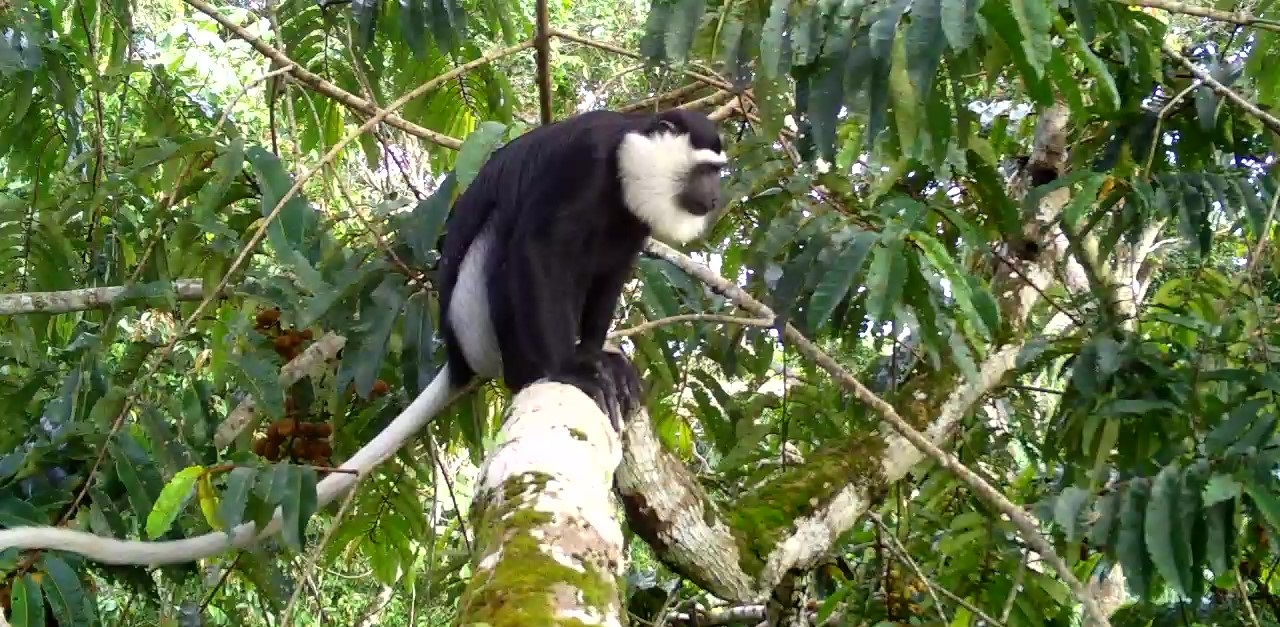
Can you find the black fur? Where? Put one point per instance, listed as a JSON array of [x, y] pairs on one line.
[[563, 245]]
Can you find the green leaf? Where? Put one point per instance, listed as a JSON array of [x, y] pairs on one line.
[[771, 39], [1266, 501], [826, 89], [1107, 95], [423, 229], [447, 24], [1067, 510], [906, 102], [681, 28], [26, 606], [475, 150], [262, 378], [1084, 14], [941, 261], [1221, 487], [172, 500], [364, 353], [1105, 525], [1219, 519], [1161, 528], [365, 13], [63, 590], [416, 364], [235, 497], [16, 513], [925, 44], [1193, 526], [1130, 544], [1257, 435], [210, 197], [1034, 21], [959, 22], [296, 221], [836, 283], [1229, 431], [887, 275], [413, 22], [298, 505], [140, 495], [1082, 200]]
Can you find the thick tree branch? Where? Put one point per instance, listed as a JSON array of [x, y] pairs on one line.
[[1239, 17], [1268, 120], [550, 547]]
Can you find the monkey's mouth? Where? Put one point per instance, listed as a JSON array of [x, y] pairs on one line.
[[701, 193]]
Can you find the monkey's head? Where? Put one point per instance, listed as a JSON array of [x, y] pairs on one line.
[[670, 172]]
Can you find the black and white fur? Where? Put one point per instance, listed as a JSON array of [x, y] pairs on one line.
[[537, 249], [535, 255]]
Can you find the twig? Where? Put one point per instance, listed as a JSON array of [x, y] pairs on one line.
[[1239, 17], [903, 555], [310, 566], [1026, 526], [316, 83], [1013, 591], [1244, 596], [697, 317], [543, 48], [1262, 237], [1268, 120], [657, 99], [1168, 106]]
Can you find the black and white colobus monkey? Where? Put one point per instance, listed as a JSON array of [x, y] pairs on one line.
[[535, 255], [537, 249]]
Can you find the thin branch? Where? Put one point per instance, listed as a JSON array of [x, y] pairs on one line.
[[1026, 526], [87, 298], [652, 102], [1268, 120], [1238, 17], [697, 317], [1244, 597], [310, 565], [316, 83], [543, 47], [901, 551]]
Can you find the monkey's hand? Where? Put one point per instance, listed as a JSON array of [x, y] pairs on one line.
[[609, 378]]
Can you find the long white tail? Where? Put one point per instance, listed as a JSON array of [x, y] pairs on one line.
[[113, 551]]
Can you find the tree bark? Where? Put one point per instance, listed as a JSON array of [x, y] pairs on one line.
[[549, 547]]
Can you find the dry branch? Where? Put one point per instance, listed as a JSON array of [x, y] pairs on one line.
[[319, 84], [1240, 17]]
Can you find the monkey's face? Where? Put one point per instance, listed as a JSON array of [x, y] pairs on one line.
[[671, 173]]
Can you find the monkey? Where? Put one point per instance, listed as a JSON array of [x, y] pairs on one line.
[[534, 256], [538, 248]]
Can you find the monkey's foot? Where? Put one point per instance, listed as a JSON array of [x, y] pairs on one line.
[[610, 379]]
